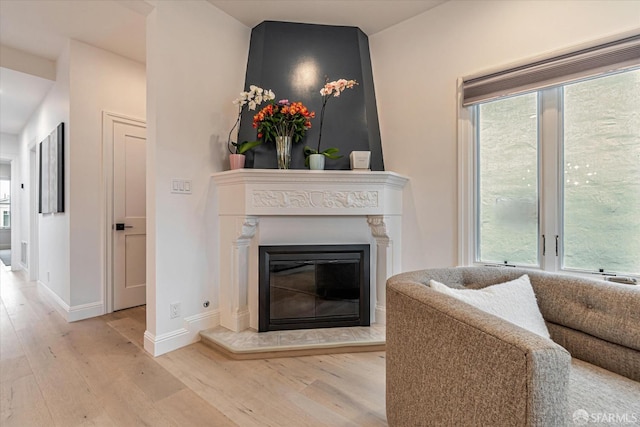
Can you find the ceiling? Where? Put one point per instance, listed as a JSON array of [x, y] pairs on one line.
[[371, 16], [20, 95], [42, 28]]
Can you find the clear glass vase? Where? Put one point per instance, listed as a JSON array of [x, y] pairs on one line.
[[283, 151]]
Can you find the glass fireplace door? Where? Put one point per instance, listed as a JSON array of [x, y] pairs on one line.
[[312, 289]]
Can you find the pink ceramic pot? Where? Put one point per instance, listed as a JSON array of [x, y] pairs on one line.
[[236, 161]]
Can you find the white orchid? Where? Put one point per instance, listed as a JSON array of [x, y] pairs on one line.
[[255, 93], [253, 97]]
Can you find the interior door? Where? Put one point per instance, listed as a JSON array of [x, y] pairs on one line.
[[129, 214]]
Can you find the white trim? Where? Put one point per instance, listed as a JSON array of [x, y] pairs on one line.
[[164, 343], [33, 257], [550, 183], [208, 319], [72, 313], [466, 193], [85, 311], [108, 121], [157, 345]]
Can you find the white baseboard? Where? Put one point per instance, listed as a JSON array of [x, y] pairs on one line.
[[157, 345], [85, 311], [381, 315], [72, 313]]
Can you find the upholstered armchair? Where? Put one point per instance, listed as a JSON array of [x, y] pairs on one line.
[[449, 363]]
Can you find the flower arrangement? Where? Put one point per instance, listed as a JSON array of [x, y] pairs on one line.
[[334, 88], [283, 119], [254, 97]]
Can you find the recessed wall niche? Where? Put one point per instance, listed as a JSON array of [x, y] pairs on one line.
[[292, 60]]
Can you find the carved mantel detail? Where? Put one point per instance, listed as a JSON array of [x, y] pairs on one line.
[[378, 227], [314, 199], [247, 227]]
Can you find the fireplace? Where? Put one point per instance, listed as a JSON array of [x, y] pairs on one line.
[[268, 207], [313, 286]]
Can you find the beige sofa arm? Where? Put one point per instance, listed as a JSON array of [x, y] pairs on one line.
[[449, 363]]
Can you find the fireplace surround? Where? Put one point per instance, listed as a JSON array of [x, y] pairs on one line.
[[268, 207]]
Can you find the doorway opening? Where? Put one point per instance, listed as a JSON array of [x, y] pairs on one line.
[[5, 212]]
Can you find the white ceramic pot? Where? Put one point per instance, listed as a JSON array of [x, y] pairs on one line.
[[316, 162]]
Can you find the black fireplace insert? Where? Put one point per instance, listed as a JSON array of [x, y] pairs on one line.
[[313, 286]]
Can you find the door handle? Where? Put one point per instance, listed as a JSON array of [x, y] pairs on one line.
[[120, 226]]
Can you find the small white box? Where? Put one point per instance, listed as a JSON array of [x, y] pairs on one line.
[[360, 159]]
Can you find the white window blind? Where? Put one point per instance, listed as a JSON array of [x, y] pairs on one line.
[[613, 56]]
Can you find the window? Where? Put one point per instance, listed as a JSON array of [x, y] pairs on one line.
[[507, 186], [601, 174], [550, 162], [562, 161], [5, 203]]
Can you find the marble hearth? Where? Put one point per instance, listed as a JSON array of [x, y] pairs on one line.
[[297, 207]]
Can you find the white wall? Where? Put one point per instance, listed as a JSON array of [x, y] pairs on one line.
[[416, 65], [5, 238], [196, 63], [9, 146], [53, 229], [100, 80], [5, 169]]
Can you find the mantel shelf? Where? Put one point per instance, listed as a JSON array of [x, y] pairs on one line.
[[289, 176], [306, 192]]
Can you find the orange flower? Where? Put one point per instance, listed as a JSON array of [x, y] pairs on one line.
[[283, 119]]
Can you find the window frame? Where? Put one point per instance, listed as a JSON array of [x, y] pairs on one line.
[[476, 186], [5, 214], [550, 187]]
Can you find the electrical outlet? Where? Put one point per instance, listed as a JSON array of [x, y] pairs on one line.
[[174, 310]]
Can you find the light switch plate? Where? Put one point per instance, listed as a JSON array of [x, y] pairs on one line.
[[181, 186]]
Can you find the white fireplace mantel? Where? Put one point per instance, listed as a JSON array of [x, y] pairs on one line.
[[330, 208]]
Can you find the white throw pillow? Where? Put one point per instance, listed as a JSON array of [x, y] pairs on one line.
[[512, 301]]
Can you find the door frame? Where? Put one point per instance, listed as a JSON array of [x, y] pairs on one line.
[[109, 120], [33, 255]]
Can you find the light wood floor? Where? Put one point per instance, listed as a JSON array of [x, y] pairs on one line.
[[95, 372]]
